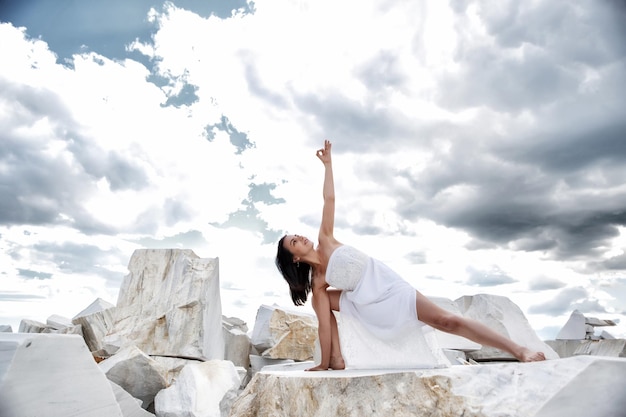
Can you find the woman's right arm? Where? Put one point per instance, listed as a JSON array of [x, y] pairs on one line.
[[321, 305]]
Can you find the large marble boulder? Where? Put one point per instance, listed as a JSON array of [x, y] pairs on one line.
[[584, 386], [6, 328], [96, 320], [198, 390], [284, 334], [52, 375], [137, 373], [169, 304], [502, 315]]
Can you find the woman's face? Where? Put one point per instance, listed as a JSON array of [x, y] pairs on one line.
[[297, 245]]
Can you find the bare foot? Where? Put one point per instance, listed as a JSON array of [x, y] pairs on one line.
[[527, 355], [337, 363]]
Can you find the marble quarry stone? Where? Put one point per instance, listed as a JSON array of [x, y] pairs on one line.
[[237, 343], [96, 321], [609, 347], [137, 373], [52, 375], [198, 390], [510, 389], [6, 328], [129, 405], [579, 327], [169, 304], [284, 334], [502, 315]]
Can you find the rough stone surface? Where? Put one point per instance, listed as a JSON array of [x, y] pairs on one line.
[[96, 322], [6, 328], [496, 390], [502, 315], [129, 405], [31, 326], [198, 391], [608, 347], [169, 304], [52, 375], [138, 374], [282, 334]]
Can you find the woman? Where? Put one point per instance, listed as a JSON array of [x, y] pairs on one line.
[[367, 289]]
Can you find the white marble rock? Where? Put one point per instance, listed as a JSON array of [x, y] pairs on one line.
[[574, 328], [137, 373], [282, 333], [510, 389], [96, 320], [129, 405], [169, 304], [198, 390], [6, 328], [52, 375]]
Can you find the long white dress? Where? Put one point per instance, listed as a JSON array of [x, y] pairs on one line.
[[378, 322]]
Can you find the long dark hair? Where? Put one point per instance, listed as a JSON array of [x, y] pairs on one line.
[[297, 276]]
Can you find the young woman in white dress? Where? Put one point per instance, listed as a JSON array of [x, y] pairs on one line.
[[365, 288]]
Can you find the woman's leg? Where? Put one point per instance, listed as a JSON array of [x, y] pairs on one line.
[[435, 316], [336, 360]]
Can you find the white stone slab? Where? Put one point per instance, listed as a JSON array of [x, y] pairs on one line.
[[130, 406], [52, 375], [497, 390], [96, 322]]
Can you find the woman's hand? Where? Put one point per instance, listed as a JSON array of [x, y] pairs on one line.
[[324, 153]]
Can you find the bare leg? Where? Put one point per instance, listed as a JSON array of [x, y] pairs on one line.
[[336, 359], [443, 320]]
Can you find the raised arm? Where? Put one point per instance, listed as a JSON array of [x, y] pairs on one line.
[[328, 213]]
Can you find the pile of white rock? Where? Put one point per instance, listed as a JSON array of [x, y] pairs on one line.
[[165, 349]]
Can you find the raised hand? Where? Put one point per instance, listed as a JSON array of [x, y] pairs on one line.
[[324, 153]]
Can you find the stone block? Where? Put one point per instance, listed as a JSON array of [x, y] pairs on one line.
[[510, 389], [505, 317], [198, 390], [169, 304], [137, 373], [129, 405], [6, 328], [32, 326], [96, 322], [284, 334], [52, 375], [237, 347]]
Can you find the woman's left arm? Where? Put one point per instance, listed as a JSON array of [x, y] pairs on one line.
[[328, 212]]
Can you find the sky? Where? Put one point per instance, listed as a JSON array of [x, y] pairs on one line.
[[479, 147]]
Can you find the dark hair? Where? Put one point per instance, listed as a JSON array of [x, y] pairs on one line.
[[297, 276]]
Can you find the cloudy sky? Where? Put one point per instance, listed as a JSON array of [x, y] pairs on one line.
[[479, 146]]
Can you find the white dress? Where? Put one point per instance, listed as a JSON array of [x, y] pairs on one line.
[[378, 321]]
